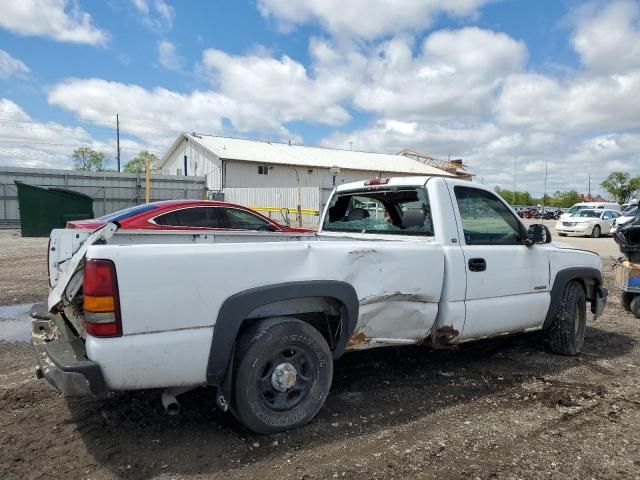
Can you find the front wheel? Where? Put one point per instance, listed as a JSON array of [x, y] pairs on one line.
[[283, 372], [567, 330], [596, 232]]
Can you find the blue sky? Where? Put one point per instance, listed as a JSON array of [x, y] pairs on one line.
[[550, 81]]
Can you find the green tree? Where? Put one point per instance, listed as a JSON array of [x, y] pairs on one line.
[[621, 186], [138, 163], [85, 158], [521, 198], [565, 199]]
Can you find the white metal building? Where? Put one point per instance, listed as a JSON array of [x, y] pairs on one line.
[[262, 174]]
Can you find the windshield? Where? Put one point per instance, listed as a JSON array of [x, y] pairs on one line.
[[575, 209], [396, 211], [128, 212], [631, 212], [588, 213]]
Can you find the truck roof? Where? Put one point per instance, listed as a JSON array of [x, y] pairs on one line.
[[393, 182]]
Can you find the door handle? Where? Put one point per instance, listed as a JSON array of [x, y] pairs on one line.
[[477, 264]]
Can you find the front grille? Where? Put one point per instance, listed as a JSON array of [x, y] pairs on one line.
[[569, 224]]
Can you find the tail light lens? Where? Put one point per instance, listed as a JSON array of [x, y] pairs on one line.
[[101, 302], [377, 181]]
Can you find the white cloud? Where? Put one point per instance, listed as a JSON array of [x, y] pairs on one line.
[[156, 115], [168, 57], [158, 17], [367, 19], [61, 20], [584, 103], [268, 90], [455, 75], [28, 143], [10, 66], [609, 41]]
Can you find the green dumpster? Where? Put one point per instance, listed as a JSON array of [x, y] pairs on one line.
[[42, 209]]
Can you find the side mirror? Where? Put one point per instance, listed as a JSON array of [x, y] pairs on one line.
[[537, 234]]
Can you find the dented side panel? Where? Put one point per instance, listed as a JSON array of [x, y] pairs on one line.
[[180, 288]]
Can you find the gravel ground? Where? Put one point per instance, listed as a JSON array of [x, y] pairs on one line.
[[504, 408]]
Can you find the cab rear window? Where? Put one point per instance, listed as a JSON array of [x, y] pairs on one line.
[[399, 211]]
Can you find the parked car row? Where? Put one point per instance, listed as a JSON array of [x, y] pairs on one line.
[[539, 213]]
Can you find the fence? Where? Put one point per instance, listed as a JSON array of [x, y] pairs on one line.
[[111, 191], [272, 199]]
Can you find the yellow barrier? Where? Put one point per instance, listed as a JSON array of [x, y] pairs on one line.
[[305, 211]]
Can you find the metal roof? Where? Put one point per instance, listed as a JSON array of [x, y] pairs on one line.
[[284, 154]]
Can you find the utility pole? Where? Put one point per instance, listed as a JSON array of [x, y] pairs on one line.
[[515, 159], [589, 189], [118, 138], [546, 171]]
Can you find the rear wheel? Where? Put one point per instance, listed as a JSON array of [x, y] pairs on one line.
[[596, 232], [634, 306], [567, 331], [283, 372], [625, 300]]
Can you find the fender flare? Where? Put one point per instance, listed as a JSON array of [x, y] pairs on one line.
[[591, 275], [235, 310]]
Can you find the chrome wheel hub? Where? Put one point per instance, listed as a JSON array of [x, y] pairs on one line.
[[284, 377]]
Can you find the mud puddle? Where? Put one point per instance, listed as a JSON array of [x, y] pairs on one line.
[[15, 322]]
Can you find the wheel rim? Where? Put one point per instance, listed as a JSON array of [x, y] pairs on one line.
[[596, 231], [286, 379]]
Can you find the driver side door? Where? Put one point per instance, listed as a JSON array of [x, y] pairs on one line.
[[507, 283]]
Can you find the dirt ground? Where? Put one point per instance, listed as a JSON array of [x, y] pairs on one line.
[[502, 409], [23, 268]]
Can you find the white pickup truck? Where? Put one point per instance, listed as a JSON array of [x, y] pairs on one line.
[[263, 316]]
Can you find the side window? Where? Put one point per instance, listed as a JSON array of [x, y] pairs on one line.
[[204, 217], [485, 219], [607, 215], [245, 220]]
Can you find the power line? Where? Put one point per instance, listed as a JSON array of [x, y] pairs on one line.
[[29, 142]]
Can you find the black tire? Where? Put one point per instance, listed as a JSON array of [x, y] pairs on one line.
[[596, 232], [625, 300], [634, 306], [567, 330], [266, 402]]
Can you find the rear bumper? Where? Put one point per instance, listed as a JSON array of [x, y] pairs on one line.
[[599, 301], [62, 358]]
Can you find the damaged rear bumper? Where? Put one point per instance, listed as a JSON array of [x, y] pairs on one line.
[[62, 358]]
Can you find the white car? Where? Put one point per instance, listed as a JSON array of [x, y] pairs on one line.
[[626, 217], [590, 206], [587, 222]]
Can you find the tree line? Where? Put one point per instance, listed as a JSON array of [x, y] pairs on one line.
[[88, 159], [621, 186]]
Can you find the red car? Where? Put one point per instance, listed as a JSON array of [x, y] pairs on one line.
[[187, 215]]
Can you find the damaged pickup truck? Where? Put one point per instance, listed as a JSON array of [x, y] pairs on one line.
[[264, 316]]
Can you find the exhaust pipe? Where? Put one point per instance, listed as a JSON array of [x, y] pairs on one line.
[[169, 400]]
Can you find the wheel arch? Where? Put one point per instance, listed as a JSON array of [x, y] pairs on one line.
[[273, 300], [588, 277]]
